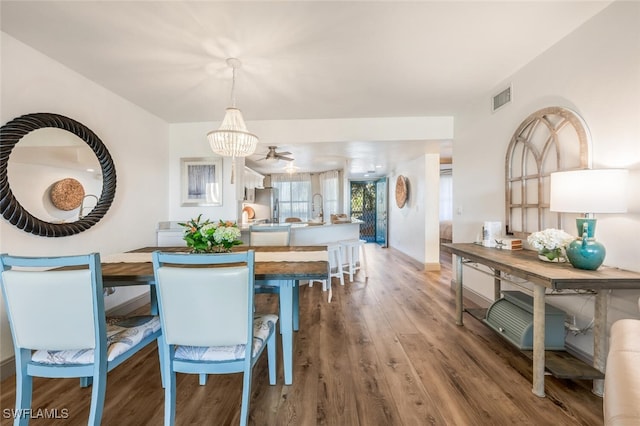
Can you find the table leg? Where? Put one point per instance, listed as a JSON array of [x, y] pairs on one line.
[[296, 306], [286, 328], [538, 340], [600, 338], [459, 290]]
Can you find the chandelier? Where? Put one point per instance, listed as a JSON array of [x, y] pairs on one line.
[[232, 138]]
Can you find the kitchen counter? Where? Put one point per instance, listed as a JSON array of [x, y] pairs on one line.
[[313, 233], [302, 233]]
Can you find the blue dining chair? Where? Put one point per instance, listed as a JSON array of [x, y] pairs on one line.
[[58, 326], [209, 326]]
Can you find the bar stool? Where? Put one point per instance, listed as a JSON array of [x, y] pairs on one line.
[[351, 250], [334, 252]]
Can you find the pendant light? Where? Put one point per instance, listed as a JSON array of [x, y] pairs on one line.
[[232, 138]]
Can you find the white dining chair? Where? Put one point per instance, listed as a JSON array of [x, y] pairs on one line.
[[208, 321], [58, 326], [270, 235], [273, 235]]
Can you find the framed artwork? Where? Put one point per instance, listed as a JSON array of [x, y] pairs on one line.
[[201, 183]]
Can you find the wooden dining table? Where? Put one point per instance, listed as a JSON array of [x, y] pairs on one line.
[[281, 266]]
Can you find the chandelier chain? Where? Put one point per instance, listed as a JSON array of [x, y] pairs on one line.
[[233, 87]]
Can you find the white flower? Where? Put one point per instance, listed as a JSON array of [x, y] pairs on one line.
[[226, 233], [206, 227], [549, 239]]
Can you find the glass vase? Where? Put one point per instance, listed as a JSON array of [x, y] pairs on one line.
[[554, 255], [219, 249]]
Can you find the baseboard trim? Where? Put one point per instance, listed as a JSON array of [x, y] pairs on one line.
[[8, 366], [406, 257], [424, 266], [431, 266]]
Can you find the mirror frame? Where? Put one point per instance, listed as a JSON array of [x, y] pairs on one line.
[[10, 135]]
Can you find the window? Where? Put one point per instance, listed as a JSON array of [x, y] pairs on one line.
[[295, 194]]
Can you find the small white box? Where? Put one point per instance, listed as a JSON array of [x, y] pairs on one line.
[[510, 243]]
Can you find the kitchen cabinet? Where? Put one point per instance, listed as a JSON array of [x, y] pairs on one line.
[[252, 180]]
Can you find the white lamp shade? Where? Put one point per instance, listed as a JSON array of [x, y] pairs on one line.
[[589, 191], [232, 138]]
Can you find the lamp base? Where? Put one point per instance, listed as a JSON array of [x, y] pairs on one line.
[[586, 252]]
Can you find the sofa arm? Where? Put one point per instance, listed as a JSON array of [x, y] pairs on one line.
[[622, 377]]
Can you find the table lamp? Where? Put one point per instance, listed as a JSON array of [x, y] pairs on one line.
[[588, 191]]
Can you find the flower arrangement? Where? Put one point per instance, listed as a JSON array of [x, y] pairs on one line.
[[551, 244], [211, 237]]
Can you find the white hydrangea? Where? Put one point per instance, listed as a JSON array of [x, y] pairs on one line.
[[226, 233], [204, 230], [549, 239]]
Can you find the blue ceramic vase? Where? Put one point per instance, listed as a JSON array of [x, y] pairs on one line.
[[586, 252]]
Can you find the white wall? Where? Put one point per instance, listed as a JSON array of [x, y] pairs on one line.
[[190, 140], [136, 140], [595, 71], [414, 229]]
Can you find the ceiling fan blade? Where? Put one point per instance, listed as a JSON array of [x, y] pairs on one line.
[[283, 153], [281, 157]]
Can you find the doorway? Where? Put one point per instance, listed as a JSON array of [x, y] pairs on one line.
[[369, 204]]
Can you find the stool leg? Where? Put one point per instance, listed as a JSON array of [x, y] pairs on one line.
[[338, 255], [348, 264], [352, 263]]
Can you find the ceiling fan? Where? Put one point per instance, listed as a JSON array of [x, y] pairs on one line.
[[273, 155]]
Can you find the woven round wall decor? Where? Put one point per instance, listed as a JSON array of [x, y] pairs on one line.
[[67, 194], [401, 191]]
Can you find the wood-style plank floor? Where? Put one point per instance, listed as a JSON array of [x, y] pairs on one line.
[[386, 351]]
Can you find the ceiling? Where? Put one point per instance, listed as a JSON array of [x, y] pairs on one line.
[[300, 60]]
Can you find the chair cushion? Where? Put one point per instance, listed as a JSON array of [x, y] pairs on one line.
[[263, 326], [121, 337], [621, 402]]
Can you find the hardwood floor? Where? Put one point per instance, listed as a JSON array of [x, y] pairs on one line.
[[386, 351]]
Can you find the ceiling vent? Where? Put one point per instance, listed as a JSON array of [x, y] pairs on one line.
[[501, 99]]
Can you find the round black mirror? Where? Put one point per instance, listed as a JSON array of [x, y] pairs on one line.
[[11, 209]]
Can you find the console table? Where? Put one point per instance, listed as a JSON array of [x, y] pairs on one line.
[[526, 265]]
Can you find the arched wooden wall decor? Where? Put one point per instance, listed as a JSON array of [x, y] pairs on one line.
[[402, 191], [549, 140]]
